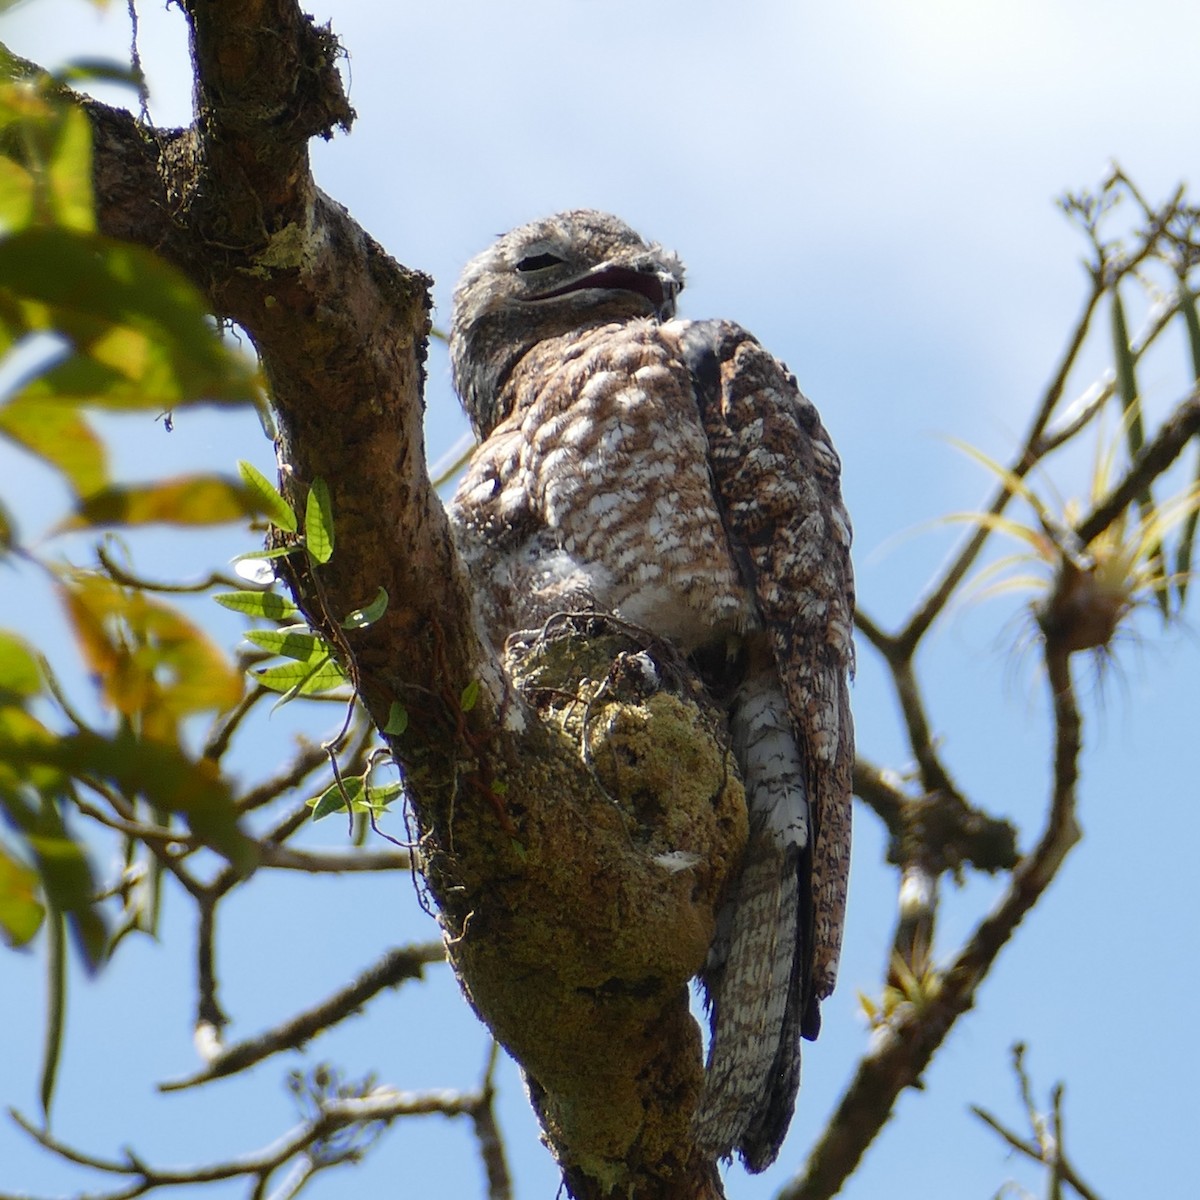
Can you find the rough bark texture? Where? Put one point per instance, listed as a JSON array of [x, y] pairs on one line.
[[543, 808]]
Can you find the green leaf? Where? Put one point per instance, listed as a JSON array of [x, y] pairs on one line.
[[255, 555], [397, 721], [360, 618], [60, 436], [56, 1009], [380, 797], [1135, 437], [140, 331], [20, 675], [270, 605], [333, 798], [270, 502], [183, 500], [297, 642], [363, 797], [46, 174], [1127, 387], [1187, 536], [318, 522], [21, 912], [103, 70], [160, 771], [61, 864], [470, 696], [301, 678]]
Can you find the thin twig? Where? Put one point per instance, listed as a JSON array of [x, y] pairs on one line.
[[396, 966], [487, 1133], [1153, 459], [383, 1104], [127, 578], [333, 862]]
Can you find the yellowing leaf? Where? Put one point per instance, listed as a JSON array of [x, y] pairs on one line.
[[150, 661], [184, 500], [47, 158], [16, 195], [21, 912], [19, 673], [60, 436], [140, 327], [70, 171]]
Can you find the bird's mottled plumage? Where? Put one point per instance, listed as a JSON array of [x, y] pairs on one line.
[[672, 472]]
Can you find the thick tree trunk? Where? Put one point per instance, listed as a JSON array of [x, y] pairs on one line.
[[578, 823]]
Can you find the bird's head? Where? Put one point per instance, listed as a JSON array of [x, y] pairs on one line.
[[567, 272]]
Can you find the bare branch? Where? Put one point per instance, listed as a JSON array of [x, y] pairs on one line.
[[1155, 457], [487, 1133], [1046, 1147], [309, 759], [395, 967], [333, 1114], [333, 862], [880, 789]]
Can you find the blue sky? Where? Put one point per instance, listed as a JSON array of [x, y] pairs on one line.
[[869, 188]]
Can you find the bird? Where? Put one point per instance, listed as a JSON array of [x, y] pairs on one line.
[[671, 473]]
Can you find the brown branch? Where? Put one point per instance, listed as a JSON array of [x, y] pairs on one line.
[[879, 789], [397, 965], [225, 725], [509, 817], [1047, 1146], [334, 862], [333, 1114], [1152, 460], [954, 831], [309, 759], [487, 1134]]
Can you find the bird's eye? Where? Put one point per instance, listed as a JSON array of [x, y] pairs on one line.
[[538, 262]]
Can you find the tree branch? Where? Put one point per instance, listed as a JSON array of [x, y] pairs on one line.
[[1154, 458], [333, 1114], [395, 967], [510, 817]]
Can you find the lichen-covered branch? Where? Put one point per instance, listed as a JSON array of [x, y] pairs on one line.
[[510, 815]]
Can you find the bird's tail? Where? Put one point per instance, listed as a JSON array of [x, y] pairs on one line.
[[758, 968], [756, 998]]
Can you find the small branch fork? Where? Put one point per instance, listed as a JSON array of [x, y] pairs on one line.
[[934, 827], [339, 1130], [1046, 1145], [393, 969]]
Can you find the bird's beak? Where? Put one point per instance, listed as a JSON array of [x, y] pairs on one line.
[[659, 287]]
